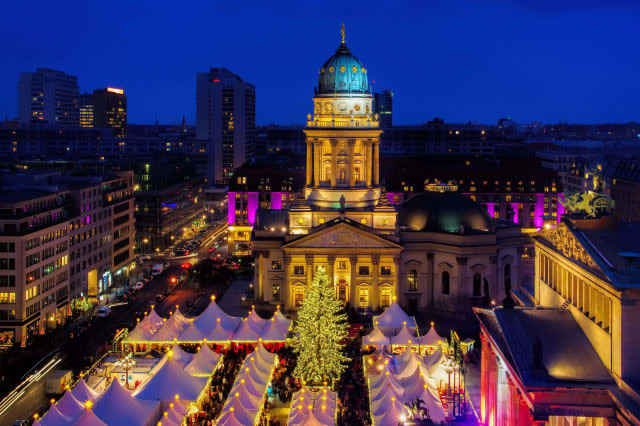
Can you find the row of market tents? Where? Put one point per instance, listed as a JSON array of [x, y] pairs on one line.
[[246, 398], [212, 325], [313, 407], [176, 386]]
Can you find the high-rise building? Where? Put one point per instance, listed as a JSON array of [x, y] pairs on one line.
[[110, 110], [49, 97], [87, 110], [383, 106], [226, 118]]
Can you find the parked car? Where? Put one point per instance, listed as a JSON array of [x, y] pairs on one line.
[[104, 312], [138, 286]]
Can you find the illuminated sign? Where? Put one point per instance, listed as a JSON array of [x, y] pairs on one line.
[[114, 90], [169, 205]]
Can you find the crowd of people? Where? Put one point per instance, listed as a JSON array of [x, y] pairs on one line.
[[353, 396], [283, 386]]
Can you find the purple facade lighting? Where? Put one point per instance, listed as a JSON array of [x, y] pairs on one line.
[[559, 207], [491, 210], [539, 211], [514, 207], [231, 208], [252, 207], [276, 201]]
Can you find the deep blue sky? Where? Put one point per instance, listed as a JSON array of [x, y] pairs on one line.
[[474, 60]]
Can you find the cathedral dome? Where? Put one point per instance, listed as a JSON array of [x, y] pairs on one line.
[[343, 73], [443, 212]]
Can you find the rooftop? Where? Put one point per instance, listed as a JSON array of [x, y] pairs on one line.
[[14, 196]]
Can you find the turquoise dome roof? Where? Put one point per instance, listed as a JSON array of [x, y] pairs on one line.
[[343, 73]]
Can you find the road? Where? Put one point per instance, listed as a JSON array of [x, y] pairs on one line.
[[94, 338]]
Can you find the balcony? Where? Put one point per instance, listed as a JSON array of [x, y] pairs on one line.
[[366, 124]]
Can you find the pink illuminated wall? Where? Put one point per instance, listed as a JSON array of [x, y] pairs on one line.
[[514, 207], [491, 209], [560, 207], [231, 208], [252, 207], [276, 201], [539, 211]]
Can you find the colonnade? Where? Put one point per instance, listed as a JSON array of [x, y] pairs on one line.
[[371, 167]]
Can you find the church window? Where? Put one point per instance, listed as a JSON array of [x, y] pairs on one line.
[[445, 283], [413, 280], [385, 297], [299, 298], [276, 265], [300, 221], [298, 270], [363, 70], [363, 298], [342, 264], [330, 69], [354, 68], [276, 292], [357, 107], [363, 270], [477, 284], [357, 174], [385, 270], [343, 68], [363, 221], [321, 220]]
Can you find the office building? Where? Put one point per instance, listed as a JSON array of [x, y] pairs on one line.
[[110, 110], [226, 118], [48, 97], [87, 108], [383, 106]]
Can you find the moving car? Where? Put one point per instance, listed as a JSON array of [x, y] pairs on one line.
[[104, 312]]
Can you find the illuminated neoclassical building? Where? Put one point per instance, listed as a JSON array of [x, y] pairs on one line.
[[435, 251]]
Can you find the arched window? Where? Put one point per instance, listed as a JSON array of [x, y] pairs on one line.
[[445, 282], [413, 280], [507, 276], [477, 284]]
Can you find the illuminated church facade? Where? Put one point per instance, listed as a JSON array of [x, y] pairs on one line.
[[436, 250]]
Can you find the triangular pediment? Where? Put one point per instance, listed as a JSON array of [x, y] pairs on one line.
[[562, 238], [342, 235]]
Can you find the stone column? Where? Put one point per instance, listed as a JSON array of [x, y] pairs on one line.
[[353, 260], [368, 162], [331, 271], [286, 291], [260, 295], [396, 287], [462, 277], [376, 161], [334, 162], [375, 295], [317, 162], [309, 162], [309, 265], [352, 174]]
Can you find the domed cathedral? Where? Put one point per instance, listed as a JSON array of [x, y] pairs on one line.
[[437, 253]]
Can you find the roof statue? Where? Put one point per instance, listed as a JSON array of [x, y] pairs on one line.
[[342, 32], [591, 203]]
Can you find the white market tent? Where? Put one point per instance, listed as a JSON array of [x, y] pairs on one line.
[[53, 417], [170, 380], [376, 338], [88, 418], [323, 407], [212, 325], [389, 389], [178, 355], [246, 397], [69, 406], [393, 319], [83, 393], [116, 406], [204, 362], [432, 338], [405, 337], [172, 328]]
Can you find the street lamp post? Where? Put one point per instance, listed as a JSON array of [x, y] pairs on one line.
[[126, 363]]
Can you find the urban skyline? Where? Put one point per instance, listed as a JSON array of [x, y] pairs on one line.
[[539, 63]]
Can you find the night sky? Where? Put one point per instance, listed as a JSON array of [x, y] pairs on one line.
[[474, 60]]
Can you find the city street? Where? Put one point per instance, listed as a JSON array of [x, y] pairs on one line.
[[90, 340]]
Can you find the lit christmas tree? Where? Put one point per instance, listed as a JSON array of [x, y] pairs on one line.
[[321, 329]]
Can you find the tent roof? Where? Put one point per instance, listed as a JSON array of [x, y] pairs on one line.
[[116, 406], [88, 418], [69, 406], [431, 338], [256, 322], [376, 337], [53, 417], [170, 380], [405, 337], [281, 319], [274, 331], [393, 318], [203, 362], [82, 392], [244, 333], [139, 333], [180, 356], [209, 316], [318, 416], [236, 417], [172, 329]]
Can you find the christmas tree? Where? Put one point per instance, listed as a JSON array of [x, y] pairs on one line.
[[321, 329]]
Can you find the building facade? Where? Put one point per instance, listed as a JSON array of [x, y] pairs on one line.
[[437, 250], [383, 106], [226, 118], [110, 110], [48, 97]]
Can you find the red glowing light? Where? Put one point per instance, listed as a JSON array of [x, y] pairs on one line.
[[216, 80]]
